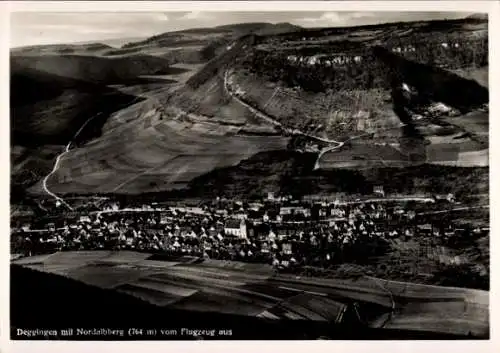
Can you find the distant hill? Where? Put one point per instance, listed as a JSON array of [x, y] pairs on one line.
[[261, 28], [478, 16], [199, 45], [82, 48], [198, 35], [119, 42], [94, 68]]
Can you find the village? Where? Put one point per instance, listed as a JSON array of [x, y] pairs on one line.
[[278, 230]]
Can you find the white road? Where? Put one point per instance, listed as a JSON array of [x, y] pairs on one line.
[[68, 147], [326, 150], [453, 210], [58, 163], [262, 115]]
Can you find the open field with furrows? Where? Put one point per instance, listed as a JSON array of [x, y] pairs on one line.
[[194, 292], [424, 142], [368, 156], [362, 155], [417, 307], [468, 159], [143, 153], [433, 263], [464, 152]]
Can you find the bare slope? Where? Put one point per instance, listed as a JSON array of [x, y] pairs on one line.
[[374, 88], [151, 148]]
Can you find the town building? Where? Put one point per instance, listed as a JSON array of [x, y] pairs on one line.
[[235, 227], [379, 190], [425, 229]]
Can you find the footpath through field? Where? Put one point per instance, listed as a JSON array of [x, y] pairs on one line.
[[66, 150], [58, 162]]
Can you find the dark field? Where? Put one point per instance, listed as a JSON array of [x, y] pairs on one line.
[[200, 293]]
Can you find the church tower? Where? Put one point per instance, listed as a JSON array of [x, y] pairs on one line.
[[243, 229]]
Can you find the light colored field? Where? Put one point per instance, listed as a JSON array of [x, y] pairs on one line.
[[468, 159], [138, 152], [364, 155], [453, 150]]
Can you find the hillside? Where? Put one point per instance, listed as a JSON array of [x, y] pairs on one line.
[[48, 109], [198, 45], [149, 147], [389, 96], [479, 16], [361, 84], [46, 112], [53, 95]]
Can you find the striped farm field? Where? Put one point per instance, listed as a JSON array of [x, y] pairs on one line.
[[468, 159], [148, 150], [364, 155]]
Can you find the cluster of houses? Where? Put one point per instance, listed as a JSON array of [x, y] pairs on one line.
[[276, 230]]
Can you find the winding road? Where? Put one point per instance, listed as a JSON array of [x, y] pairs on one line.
[[58, 163], [456, 209], [326, 150], [68, 147], [267, 118], [332, 145]]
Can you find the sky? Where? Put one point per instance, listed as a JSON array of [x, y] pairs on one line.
[[36, 28]]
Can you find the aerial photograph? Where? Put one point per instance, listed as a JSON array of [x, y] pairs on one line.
[[300, 175]]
